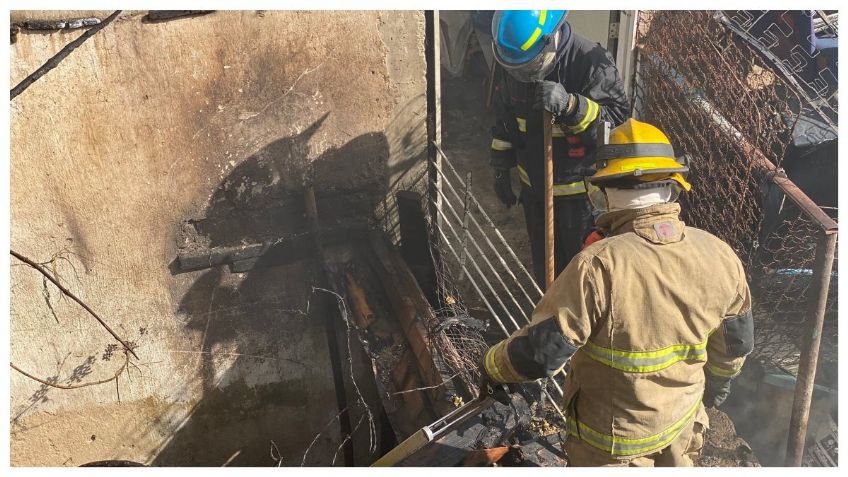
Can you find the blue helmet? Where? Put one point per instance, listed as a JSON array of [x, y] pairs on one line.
[[525, 41]]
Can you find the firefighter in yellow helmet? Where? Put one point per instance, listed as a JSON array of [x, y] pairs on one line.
[[655, 317]]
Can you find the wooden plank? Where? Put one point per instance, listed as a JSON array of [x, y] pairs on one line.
[[413, 312]]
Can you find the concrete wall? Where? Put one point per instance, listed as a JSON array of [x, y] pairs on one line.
[[592, 24], [145, 130]]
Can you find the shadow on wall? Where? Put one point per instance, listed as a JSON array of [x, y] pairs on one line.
[[262, 359]]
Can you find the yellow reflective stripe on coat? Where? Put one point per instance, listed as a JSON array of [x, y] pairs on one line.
[[592, 110], [556, 130], [522, 174], [722, 372], [572, 188], [623, 446], [522, 124], [501, 145], [560, 190], [645, 361], [491, 366]]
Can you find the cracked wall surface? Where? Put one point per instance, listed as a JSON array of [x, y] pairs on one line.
[[216, 119]]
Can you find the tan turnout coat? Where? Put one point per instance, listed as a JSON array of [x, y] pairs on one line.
[[643, 314]]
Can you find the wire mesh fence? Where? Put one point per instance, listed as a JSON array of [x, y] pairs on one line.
[[736, 91]]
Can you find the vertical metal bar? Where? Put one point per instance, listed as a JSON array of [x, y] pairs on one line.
[[550, 253], [465, 215], [434, 114], [810, 350], [491, 224]]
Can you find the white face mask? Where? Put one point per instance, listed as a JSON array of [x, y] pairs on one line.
[[611, 198], [621, 199]]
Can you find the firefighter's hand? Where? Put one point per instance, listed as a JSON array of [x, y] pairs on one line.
[[716, 390], [552, 97], [503, 187]]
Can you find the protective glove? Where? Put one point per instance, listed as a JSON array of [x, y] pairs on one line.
[[716, 390], [503, 187], [552, 97], [489, 388]]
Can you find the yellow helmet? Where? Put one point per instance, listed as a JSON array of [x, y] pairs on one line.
[[637, 152]]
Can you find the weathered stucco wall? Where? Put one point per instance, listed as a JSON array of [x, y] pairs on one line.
[[216, 119]]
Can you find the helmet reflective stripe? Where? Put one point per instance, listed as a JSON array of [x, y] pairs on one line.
[[618, 151], [637, 151], [536, 33], [520, 36]]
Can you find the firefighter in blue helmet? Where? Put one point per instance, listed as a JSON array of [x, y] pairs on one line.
[[544, 65]]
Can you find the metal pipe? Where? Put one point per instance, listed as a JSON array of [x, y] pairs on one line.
[[505, 266], [492, 224], [825, 252]]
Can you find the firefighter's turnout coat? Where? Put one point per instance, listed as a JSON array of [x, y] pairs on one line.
[[643, 314], [585, 70]]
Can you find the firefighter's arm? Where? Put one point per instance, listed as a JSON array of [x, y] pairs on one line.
[[502, 150], [602, 99], [728, 345], [562, 322]]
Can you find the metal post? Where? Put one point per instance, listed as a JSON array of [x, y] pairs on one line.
[[550, 253], [434, 114], [810, 351]]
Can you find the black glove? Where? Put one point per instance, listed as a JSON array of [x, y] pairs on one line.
[[716, 390], [498, 392], [503, 187], [552, 97]]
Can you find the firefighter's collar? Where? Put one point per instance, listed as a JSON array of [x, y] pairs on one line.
[[658, 223]]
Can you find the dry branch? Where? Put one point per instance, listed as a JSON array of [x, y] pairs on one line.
[[69, 294]]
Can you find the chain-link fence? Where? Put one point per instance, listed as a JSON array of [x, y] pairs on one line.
[[750, 96]]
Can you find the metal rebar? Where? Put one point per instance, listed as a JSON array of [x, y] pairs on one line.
[[548, 156], [474, 284], [490, 223], [503, 262], [810, 351], [465, 213]]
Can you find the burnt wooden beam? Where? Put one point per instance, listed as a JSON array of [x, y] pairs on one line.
[[277, 251], [416, 319]]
